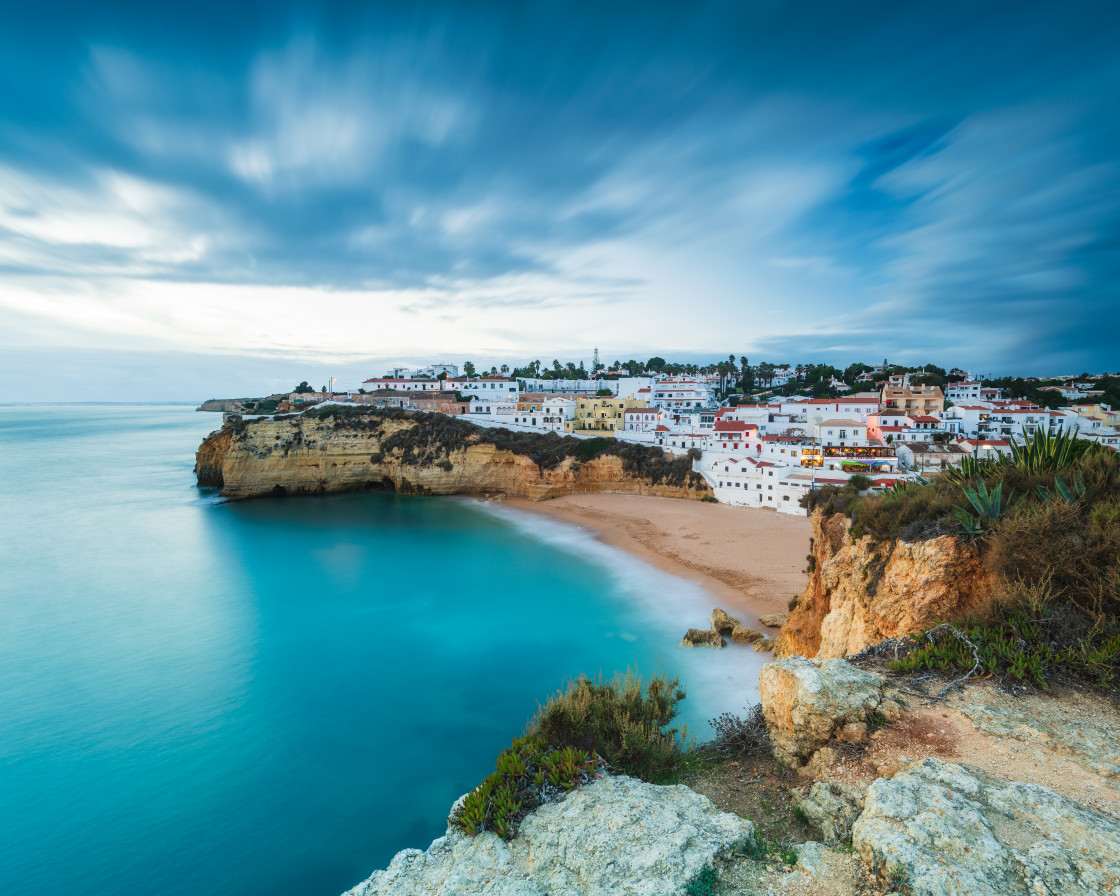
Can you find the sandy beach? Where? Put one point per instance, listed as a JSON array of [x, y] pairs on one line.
[[753, 560]]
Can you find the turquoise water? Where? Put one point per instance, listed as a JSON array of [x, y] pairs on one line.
[[274, 696]]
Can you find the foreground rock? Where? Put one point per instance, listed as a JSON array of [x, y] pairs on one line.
[[937, 828], [723, 622], [615, 836], [808, 703], [702, 637], [831, 808]]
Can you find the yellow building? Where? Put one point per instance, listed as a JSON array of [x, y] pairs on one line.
[[1101, 412], [601, 416], [916, 400]]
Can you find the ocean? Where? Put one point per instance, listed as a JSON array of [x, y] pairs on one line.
[[275, 696]]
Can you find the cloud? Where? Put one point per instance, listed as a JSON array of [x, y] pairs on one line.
[[883, 181]]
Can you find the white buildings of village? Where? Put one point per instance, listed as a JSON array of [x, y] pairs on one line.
[[766, 454]]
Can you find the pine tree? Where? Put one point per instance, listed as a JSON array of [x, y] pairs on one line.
[[595, 365]]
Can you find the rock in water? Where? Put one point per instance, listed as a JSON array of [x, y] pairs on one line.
[[774, 620], [765, 645], [702, 637], [723, 622], [614, 836], [741, 634], [938, 828], [808, 702]]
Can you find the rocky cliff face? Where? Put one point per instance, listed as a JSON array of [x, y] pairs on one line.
[[862, 591], [307, 455]]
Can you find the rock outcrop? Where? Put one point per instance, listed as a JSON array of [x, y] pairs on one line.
[[723, 622], [937, 828], [742, 634], [702, 637], [831, 808], [774, 620], [408, 453], [861, 591], [222, 404], [614, 836], [808, 703]]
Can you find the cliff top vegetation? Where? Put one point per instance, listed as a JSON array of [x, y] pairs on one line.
[[1046, 522]]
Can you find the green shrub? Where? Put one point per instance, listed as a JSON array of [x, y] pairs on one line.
[[528, 774], [623, 720], [706, 883]]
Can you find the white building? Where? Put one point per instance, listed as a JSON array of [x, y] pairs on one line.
[[546, 415], [402, 384], [813, 410], [486, 406], [681, 393], [643, 419], [434, 370], [996, 419], [586, 386], [492, 387]]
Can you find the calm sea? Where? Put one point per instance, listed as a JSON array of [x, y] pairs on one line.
[[274, 696]]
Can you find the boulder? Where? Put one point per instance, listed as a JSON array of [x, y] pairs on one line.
[[616, 835], [702, 637], [765, 645], [938, 828], [773, 620], [806, 703], [831, 808], [741, 634], [723, 622]]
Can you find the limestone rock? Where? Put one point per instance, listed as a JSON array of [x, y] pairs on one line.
[[741, 634], [765, 645], [723, 622], [305, 455], [937, 828], [808, 702], [773, 620], [831, 808], [614, 836], [702, 637], [862, 591]]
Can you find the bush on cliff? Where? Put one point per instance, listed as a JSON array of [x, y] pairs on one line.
[[1047, 523], [1053, 552], [589, 728], [622, 719], [527, 775]]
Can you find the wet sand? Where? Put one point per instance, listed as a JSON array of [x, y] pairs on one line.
[[752, 559]]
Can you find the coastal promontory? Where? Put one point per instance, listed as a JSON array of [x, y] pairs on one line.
[[336, 449]]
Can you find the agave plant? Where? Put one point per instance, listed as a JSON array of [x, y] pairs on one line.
[[1071, 494], [987, 504], [1044, 453], [972, 469]]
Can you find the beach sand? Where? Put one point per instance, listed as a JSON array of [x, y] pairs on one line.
[[753, 560]]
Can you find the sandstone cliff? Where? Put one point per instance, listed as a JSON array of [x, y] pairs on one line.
[[862, 591], [414, 453]]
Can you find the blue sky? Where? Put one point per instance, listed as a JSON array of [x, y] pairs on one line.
[[221, 198]]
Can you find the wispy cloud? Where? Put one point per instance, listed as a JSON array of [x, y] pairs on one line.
[[892, 181]]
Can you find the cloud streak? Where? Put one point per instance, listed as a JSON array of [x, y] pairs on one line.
[[886, 181]]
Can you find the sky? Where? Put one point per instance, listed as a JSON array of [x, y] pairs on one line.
[[223, 199]]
